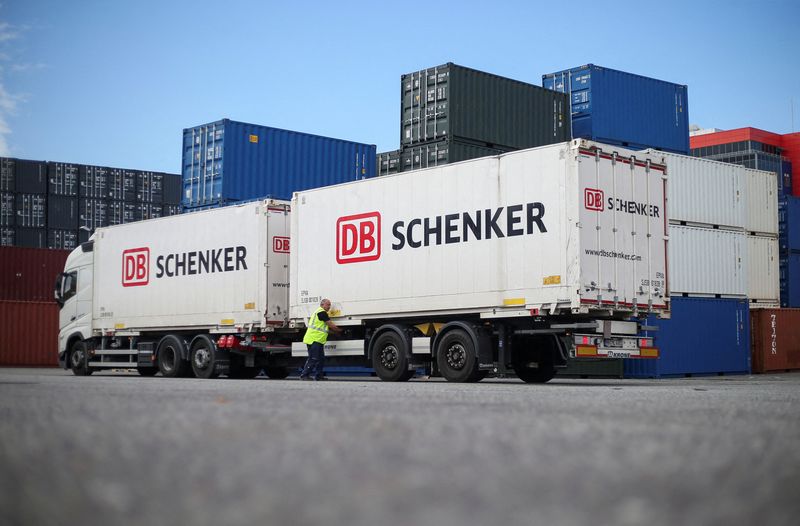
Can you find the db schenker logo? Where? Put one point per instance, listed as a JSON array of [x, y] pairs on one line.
[[358, 238], [593, 199], [135, 267]]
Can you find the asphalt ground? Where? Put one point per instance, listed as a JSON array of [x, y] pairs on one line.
[[125, 450]]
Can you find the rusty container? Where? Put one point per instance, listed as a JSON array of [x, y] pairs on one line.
[[28, 333], [775, 336], [29, 274]]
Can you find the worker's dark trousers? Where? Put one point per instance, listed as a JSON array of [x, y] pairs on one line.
[[316, 360]]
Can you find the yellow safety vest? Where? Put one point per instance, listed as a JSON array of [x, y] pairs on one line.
[[317, 329]]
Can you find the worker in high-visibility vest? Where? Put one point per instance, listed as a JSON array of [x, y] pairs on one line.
[[316, 335]]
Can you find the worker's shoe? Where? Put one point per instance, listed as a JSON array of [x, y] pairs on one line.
[[305, 378]]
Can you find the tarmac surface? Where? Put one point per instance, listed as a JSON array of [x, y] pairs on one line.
[[116, 448]]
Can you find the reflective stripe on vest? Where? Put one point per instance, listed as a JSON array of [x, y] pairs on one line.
[[317, 330]]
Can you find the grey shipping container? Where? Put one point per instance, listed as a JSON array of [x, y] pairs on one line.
[[8, 215], [120, 212], [443, 152], [7, 171], [7, 237], [173, 189], [93, 213], [388, 162], [149, 187], [62, 212], [30, 237], [30, 177], [31, 210], [452, 101], [62, 239], [122, 184], [63, 179], [93, 182]]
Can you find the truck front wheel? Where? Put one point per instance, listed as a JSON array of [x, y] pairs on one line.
[[79, 359]]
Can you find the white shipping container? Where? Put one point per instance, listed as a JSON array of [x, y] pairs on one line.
[[225, 267], [763, 281], [762, 201], [705, 192], [707, 261], [565, 226]]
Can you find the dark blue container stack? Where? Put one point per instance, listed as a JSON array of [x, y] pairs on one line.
[[704, 336], [789, 218], [624, 109], [227, 161]]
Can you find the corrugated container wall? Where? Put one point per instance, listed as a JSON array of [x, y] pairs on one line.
[[762, 202], [443, 152], [705, 192], [30, 333], [29, 274], [789, 218], [706, 261], [776, 340], [228, 161], [790, 279], [451, 101], [621, 108], [763, 275], [388, 162], [703, 336]]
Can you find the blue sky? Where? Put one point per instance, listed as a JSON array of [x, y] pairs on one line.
[[115, 82]]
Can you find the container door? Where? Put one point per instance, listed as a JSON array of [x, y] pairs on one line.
[[278, 246], [623, 252]]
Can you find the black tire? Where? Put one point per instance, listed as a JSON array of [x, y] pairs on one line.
[[390, 358], [79, 359], [533, 359], [239, 370], [204, 357], [480, 375], [147, 371], [170, 362], [456, 357], [276, 372]]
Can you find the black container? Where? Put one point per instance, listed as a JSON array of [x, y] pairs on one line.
[[455, 102], [388, 162], [31, 237], [63, 179], [62, 239], [148, 211], [170, 210], [8, 214], [173, 189], [150, 187], [7, 171], [7, 237], [122, 184], [31, 210], [120, 212], [93, 213], [443, 152], [30, 177], [93, 182], [62, 212]]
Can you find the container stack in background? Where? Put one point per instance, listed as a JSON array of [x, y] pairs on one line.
[[723, 262], [226, 162], [450, 113], [28, 312], [59, 205]]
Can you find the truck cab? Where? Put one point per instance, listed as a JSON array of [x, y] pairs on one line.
[[73, 293]]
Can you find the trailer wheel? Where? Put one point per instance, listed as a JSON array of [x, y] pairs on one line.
[[276, 372], [203, 358], [170, 362], [390, 358], [533, 363], [239, 370], [147, 371], [456, 357], [79, 359]]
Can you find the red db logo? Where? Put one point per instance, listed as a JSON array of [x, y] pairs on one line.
[[593, 199], [280, 244], [358, 238], [135, 267]]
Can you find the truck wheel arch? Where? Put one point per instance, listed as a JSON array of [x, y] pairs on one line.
[[474, 331], [401, 330], [74, 337]]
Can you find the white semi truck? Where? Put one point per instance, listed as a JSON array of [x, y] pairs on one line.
[[518, 262]]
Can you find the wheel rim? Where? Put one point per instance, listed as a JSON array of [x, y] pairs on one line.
[[168, 359], [389, 357], [77, 358], [202, 357], [456, 356]]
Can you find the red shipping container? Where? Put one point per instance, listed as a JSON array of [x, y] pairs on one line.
[[791, 149], [29, 333], [29, 274], [775, 334]]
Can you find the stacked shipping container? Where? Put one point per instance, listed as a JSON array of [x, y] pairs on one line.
[[58, 205]]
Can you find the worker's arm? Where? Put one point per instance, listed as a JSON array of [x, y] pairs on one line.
[[332, 326]]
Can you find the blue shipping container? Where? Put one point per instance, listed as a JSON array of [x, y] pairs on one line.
[[621, 108], [704, 336], [226, 162], [789, 223], [790, 279]]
